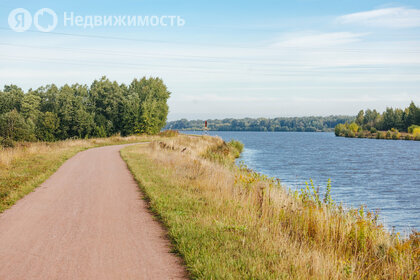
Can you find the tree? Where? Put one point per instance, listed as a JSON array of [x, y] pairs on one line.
[[412, 115], [106, 97], [388, 119], [353, 127], [48, 96], [14, 127], [105, 108], [153, 95], [360, 118], [30, 107], [130, 115], [10, 99], [48, 126]]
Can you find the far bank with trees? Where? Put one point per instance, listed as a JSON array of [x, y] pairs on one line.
[[395, 124], [301, 124]]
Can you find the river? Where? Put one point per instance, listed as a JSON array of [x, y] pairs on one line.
[[383, 175]]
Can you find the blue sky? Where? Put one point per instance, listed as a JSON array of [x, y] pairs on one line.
[[231, 58]]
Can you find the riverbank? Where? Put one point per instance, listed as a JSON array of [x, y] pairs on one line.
[[344, 130], [230, 222]]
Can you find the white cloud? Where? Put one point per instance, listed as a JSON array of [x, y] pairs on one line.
[[398, 17], [320, 40]]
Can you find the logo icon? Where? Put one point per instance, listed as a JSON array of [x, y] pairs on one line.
[[20, 20], [49, 12]]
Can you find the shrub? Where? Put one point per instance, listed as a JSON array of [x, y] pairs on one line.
[[6, 142], [388, 134], [238, 146], [381, 135], [354, 127], [413, 127], [373, 130], [396, 135], [339, 129], [349, 133], [14, 127], [416, 131], [169, 133]]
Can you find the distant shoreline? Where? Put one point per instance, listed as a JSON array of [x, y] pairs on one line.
[[384, 135], [298, 124], [318, 131]]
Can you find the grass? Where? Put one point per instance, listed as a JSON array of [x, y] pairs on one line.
[[229, 222], [27, 165]]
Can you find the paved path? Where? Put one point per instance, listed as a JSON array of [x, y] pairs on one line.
[[87, 221]]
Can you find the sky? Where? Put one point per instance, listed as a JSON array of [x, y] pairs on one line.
[[230, 58]]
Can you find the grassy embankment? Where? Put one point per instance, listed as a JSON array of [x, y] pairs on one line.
[[229, 222], [27, 165]]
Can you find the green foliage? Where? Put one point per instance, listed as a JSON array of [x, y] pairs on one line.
[[11, 98], [105, 108], [169, 133], [237, 147], [353, 127], [369, 122], [340, 128], [47, 127], [360, 118], [13, 127], [380, 135], [413, 129], [153, 94], [225, 153], [309, 124]]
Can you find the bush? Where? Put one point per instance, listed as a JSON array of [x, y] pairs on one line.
[[349, 133], [415, 131], [339, 129], [169, 133], [354, 127], [6, 142], [373, 130], [411, 129], [238, 146], [381, 135], [396, 135], [388, 134], [14, 127]]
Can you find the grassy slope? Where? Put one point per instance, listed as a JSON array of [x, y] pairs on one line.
[[26, 166], [231, 223]]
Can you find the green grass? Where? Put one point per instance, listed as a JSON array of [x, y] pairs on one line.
[[211, 249]]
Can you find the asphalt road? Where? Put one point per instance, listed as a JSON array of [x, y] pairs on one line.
[[87, 221]]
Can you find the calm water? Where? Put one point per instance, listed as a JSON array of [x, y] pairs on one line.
[[384, 175]]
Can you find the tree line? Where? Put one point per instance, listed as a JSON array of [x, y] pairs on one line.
[[105, 108], [309, 124], [394, 121]]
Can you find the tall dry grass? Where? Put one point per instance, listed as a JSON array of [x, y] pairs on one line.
[[249, 226]]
